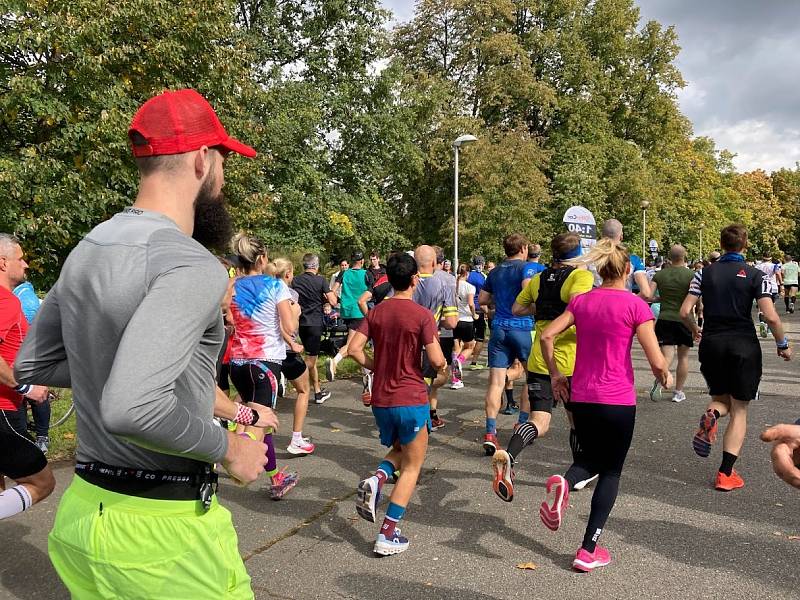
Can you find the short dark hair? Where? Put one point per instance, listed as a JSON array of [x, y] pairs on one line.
[[733, 238], [514, 244], [564, 243], [400, 270]]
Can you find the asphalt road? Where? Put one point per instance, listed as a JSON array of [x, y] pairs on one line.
[[671, 535]]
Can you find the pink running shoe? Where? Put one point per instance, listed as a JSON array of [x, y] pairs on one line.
[[588, 561], [281, 483], [551, 515]]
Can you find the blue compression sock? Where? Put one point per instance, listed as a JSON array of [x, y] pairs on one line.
[[491, 425], [523, 417]]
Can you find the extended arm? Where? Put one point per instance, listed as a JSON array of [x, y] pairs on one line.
[[42, 360]]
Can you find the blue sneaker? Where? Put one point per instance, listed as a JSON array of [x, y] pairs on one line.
[[367, 499], [394, 544]]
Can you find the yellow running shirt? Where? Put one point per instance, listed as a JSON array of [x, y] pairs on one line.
[[578, 282]]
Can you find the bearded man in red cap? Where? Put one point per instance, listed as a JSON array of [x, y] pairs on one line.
[[133, 326]]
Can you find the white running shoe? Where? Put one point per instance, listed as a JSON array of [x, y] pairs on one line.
[[456, 385], [678, 397], [282, 386], [303, 447], [582, 484]]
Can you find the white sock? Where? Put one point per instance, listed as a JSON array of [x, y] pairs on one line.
[[337, 359], [297, 436], [14, 500]]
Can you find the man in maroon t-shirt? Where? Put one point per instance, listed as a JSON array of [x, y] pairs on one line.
[[20, 458], [400, 329]]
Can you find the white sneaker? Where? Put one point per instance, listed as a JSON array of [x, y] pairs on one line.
[[582, 484], [282, 386], [304, 446], [678, 397], [456, 385]]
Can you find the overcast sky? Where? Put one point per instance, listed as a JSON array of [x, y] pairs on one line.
[[741, 62]]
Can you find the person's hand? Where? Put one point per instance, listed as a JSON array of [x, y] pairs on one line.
[[266, 416], [245, 458], [665, 379], [295, 347], [38, 394], [786, 353], [785, 452], [697, 335], [560, 387]]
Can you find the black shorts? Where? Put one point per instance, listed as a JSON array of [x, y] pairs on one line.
[[673, 333], [540, 392], [19, 456], [464, 331], [788, 287], [446, 344], [353, 324], [731, 364], [256, 381], [293, 366], [223, 376], [479, 328], [311, 337]]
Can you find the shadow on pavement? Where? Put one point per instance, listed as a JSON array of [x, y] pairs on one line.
[[22, 574]]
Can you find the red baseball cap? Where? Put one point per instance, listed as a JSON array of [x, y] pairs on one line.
[[178, 122]]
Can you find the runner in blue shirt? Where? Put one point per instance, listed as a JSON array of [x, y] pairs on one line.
[[510, 338]]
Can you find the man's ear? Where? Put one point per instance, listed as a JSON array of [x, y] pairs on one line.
[[202, 162]]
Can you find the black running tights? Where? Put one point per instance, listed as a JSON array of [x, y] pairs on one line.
[[604, 432]]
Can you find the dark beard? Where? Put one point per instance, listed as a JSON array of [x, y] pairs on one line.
[[213, 226]]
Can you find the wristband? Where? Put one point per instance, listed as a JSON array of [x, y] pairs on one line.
[[784, 345], [244, 415], [23, 388]]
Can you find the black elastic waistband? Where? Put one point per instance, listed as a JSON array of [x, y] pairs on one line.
[[156, 485]]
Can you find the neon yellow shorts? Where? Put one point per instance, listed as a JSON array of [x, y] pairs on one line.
[[108, 545]]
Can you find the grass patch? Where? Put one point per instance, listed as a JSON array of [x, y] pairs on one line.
[[63, 439]]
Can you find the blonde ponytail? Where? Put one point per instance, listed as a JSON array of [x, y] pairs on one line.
[[249, 249], [610, 259], [279, 267]]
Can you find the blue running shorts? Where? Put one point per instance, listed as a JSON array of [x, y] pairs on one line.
[[401, 423]]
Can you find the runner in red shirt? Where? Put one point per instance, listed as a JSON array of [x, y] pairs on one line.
[[20, 458], [400, 330]]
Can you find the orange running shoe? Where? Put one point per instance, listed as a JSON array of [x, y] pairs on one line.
[[727, 483]]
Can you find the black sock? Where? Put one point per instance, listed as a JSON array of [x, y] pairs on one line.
[[523, 436], [786, 302], [510, 396], [434, 416], [716, 413], [727, 463]]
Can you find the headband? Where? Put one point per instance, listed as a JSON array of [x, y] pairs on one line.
[[574, 253]]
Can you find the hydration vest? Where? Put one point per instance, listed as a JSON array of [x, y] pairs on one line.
[[549, 304]]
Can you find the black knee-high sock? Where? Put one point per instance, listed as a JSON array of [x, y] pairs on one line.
[[786, 302], [510, 396], [728, 460], [603, 499], [523, 436]]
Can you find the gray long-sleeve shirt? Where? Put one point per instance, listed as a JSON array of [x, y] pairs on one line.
[[133, 326]]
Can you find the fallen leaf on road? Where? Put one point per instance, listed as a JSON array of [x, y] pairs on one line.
[[794, 537], [527, 566], [335, 430], [778, 504]]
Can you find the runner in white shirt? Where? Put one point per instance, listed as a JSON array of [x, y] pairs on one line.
[[464, 333], [773, 278], [790, 270]]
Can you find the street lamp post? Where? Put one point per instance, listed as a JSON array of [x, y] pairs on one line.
[[701, 240], [459, 141], [644, 206]]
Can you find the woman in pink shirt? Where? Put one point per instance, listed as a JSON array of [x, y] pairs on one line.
[[603, 397]]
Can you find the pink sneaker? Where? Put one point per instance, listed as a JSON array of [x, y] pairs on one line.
[[281, 483], [588, 561], [551, 515]]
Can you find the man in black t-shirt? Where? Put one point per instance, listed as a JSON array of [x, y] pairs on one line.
[[375, 268], [730, 353], [313, 291]]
